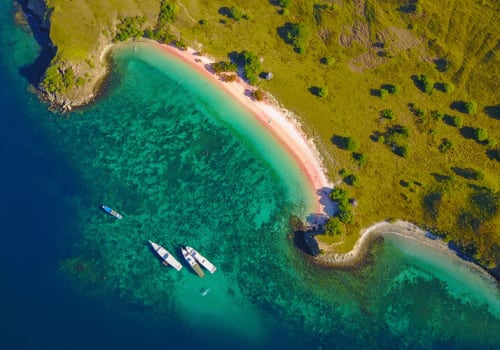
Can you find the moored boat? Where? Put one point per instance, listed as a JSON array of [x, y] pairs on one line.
[[167, 258], [111, 212], [201, 259], [192, 262]]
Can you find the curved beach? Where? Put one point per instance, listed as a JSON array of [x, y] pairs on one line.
[[400, 229], [287, 130], [280, 122]]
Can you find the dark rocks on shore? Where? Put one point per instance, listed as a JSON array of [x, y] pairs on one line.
[[311, 243]]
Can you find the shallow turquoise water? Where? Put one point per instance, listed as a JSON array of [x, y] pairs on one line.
[[186, 166]]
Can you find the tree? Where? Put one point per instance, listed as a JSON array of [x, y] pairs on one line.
[[346, 216], [350, 143], [334, 226], [394, 89], [322, 91], [359, 158], [425, 83], [236, 13], [437, 115], [224, 66], [298, 35], [387, 114], [167, 13], [448, 87], [340, 196], [250, 64], [384, 93], [258, 95], [351, 180], [470, 107], [402, 151], [480, 134], [457, 121], [285, 3], [445, 146]]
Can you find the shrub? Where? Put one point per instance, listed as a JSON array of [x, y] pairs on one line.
[[130, 27], [224, 66], [419, 112], [425, 83], [322, 91], [259, 95], [334, 226], [350, 144], [359, 158], [402, 151], [384, 93], [491, 142], [394, 89], [437, 115], [457, 121], [236, 13], [340, 196], [167, 13], [284, 3], [388, 114], [445, 146], [470, 107], [346, 216], [480, 134], [329, 61], [228, 78], [448, 87], [250, 64], [298, 35], [351, 180]]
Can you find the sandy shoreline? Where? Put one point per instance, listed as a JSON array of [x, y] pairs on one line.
[[281, 123], [401, 229]]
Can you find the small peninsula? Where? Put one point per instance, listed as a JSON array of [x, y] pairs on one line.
[[401, 100]]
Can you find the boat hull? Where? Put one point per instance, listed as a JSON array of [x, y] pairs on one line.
[[112, 212], [192, 262], [201, 259], [165, 255]]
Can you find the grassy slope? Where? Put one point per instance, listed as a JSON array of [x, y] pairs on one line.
[[464, 31], [76, 25]]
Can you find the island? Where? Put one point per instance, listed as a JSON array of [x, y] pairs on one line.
[[397, 103]]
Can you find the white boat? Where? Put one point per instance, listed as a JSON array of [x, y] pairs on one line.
[[201, 259], [167, 258], [112, 212], [192, 262]]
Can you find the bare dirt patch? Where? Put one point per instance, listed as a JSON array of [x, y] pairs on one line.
[[358, 32]]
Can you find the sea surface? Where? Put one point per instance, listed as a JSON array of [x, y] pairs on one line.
[[185, 165]]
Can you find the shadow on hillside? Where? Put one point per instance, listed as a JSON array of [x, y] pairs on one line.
[[339, 141], [493, 111], [33, 72], [441, 177], [467, 132], [460, 106], [284, 31]]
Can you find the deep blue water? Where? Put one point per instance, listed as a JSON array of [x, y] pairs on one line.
[[184, 166]]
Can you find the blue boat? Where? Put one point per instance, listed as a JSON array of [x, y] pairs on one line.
[[111, 212]]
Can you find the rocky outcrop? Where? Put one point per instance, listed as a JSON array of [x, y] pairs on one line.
[[64, 83]]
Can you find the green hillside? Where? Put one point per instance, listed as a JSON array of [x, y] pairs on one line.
[[402, 97]]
